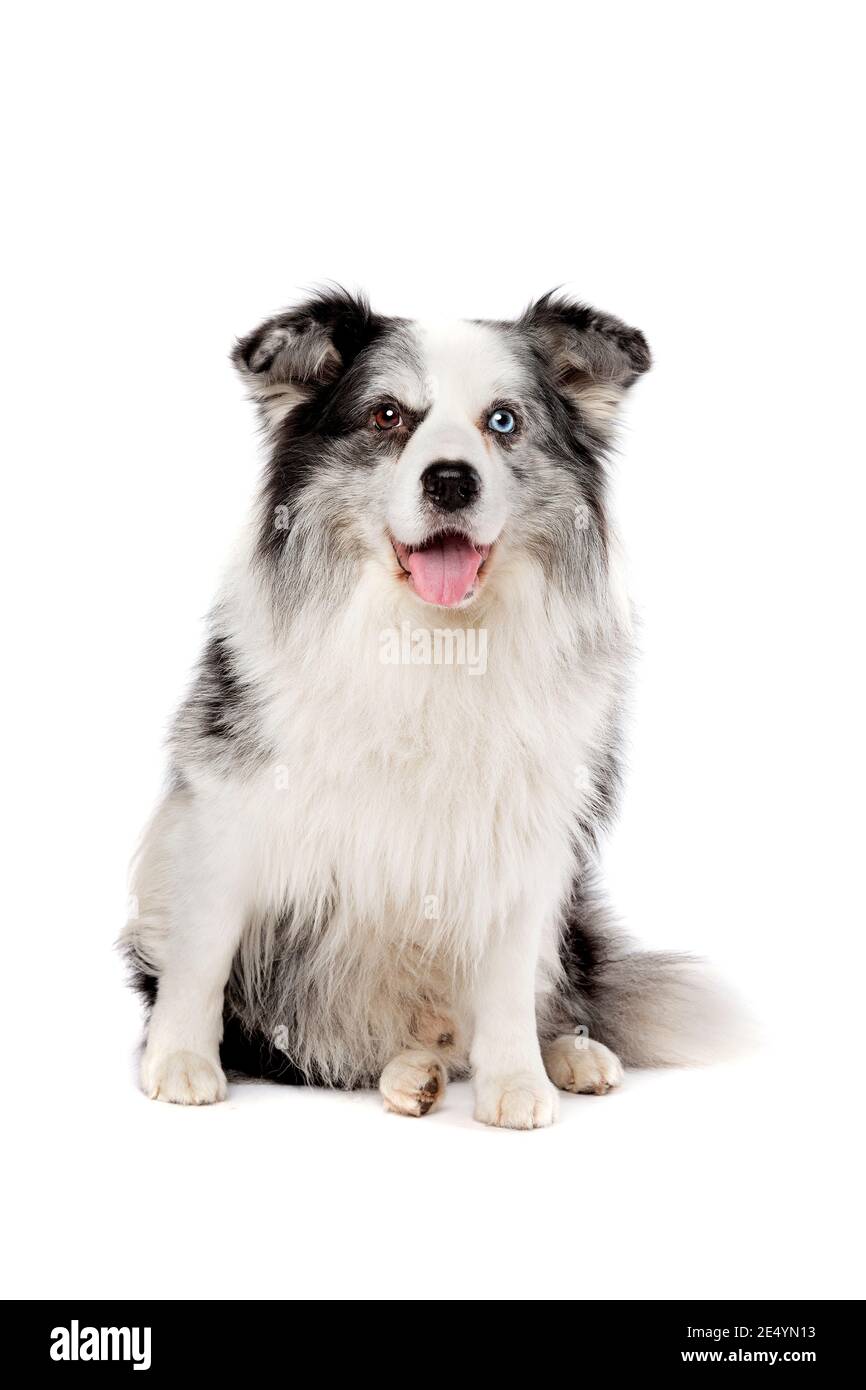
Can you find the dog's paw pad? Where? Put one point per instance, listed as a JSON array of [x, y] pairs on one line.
[[580, 1064], [183, 1078], [412, 1083], [516, 1102]]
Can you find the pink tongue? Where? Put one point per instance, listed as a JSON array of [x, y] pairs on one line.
[[445, 571]]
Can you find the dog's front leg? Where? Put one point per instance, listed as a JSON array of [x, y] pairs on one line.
[[181, 1058], [511, 1085]]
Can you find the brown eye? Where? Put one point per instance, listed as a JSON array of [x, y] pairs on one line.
[[387, 417]]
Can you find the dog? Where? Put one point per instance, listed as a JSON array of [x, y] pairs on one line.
[[375, 862]]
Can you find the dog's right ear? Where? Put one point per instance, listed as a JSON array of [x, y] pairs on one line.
[[285, 359]]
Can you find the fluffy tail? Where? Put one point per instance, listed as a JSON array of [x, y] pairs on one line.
[[652, 1008]]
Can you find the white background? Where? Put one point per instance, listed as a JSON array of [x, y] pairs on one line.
[[175, 173]]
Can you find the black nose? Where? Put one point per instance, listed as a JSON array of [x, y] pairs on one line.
[[450, 486]]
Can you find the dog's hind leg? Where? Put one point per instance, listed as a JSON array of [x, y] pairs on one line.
[[577, 1063], [649, 1008], [413, 1082]]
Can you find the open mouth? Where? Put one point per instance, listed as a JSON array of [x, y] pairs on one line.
[[444, 569]]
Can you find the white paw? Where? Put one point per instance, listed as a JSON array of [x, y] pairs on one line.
[[522, 1101], [412, 1083], [185, 1078], [576, 1063]]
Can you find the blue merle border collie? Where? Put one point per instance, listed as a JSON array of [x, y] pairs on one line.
[[380, 870]]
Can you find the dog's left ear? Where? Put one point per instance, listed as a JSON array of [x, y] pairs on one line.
[[288, 357], [593, 357]]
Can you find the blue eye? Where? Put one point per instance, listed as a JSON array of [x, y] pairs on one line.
[[502, 422]]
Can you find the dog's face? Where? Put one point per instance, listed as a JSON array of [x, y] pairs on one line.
[[435, 451]]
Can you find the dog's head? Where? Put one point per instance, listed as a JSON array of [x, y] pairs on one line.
[[433, 452]]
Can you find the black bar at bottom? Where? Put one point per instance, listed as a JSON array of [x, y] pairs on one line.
[[79, 1337]]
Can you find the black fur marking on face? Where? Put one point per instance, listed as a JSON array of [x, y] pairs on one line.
[[313, 433], [313, 347]]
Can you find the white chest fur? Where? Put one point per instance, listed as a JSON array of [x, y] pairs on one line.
[[422, 783]]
